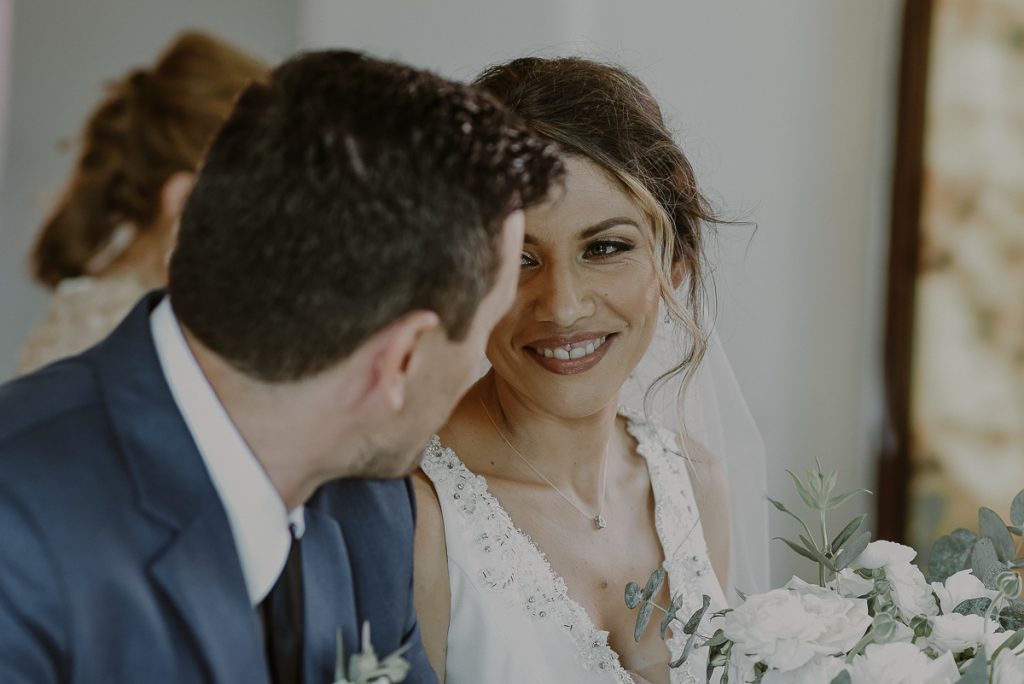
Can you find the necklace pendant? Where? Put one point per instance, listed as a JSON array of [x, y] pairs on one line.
[[599, 522]]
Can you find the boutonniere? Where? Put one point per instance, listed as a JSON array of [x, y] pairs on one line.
[[366, 668]]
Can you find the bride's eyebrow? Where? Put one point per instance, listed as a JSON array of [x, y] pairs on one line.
[[606, 224]]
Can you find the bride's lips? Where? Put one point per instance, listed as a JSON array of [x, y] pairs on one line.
[[589, 348]]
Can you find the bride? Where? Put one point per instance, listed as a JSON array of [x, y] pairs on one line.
[[541, 498]]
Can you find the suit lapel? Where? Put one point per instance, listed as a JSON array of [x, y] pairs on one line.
[[198, 570], [329, 597], [201, 576]]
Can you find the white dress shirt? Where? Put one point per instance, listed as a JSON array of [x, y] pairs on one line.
[[259, 521]]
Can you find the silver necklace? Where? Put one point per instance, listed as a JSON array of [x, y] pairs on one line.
[[596, 518]]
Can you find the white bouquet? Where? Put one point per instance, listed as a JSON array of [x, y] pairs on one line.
[[873, 617]]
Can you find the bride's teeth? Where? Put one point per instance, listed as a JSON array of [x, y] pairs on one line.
[[562, 354], [548, 353], [591, 347], [578, 353]]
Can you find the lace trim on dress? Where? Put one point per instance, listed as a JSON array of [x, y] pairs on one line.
[[677, 522], [521, 573]]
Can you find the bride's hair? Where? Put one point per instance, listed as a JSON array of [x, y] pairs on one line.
[[607, 115], [153, 123]]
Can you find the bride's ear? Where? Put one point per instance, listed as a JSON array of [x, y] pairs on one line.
[[396, 356], [678, 273]]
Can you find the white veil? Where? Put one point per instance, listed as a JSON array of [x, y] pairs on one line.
[[717, 417]]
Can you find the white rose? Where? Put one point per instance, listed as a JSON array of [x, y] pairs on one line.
[[958, 633], [902, 663], [884, 554], [851, 585], [786, 628], [1008, 668], [817, 670], [963, 586], [844, 621], [910, 591]]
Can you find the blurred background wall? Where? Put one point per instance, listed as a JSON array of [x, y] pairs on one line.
[[785, 108]]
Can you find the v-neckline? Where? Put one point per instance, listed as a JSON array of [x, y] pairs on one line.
[[592, 643]]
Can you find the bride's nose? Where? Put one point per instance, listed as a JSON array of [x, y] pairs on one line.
[[562, 295]]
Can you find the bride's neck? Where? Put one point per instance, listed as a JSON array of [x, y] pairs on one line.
[[568, 450]]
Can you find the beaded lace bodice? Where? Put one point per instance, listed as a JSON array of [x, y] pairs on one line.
[[507, 597]]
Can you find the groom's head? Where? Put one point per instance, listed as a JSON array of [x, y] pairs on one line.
[[357, 221]]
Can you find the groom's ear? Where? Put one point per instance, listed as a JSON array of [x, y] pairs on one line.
[[395, 356]]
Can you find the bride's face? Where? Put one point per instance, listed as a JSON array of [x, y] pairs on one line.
[[587, 304]]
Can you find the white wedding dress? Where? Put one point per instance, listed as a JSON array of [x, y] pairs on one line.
[[511, 618]]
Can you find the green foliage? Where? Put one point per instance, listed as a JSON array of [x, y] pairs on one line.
[[951, 554], [633, 596], [1017, 510], [977, 671], [992, 527], [817, 490]]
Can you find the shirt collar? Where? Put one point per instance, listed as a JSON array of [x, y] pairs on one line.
[[259, 522]]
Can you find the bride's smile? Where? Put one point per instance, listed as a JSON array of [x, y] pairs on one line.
[[570, 354]]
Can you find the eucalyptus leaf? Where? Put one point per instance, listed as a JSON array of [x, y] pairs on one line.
[[1016, 531], [1012, 643], [1011, 617], [654, 583], [694, 621], [950, 554], [992, 526], [804, 493], [642, 620], [830, 483], [842, 678], [1017, 510], [686, 652], [847, 532], [797, 548], [666, 622], [977, 671], [670, 616], [974, 606], [853, 550], [819, 557], [717, 639], [837, 501], [633, 595], [983, 559]]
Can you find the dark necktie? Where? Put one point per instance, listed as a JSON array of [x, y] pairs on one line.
[[282, 615]]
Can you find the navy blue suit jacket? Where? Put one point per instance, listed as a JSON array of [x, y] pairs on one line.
[[117, 562]]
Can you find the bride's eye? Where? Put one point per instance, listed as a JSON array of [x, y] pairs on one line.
[[602, 249], [526, 260]]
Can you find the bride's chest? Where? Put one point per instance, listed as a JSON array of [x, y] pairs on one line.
[[596, 565]]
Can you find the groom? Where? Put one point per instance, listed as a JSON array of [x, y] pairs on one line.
[[169, 510]]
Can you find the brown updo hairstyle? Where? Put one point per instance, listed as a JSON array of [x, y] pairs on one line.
[[153, 123], [608, 116]]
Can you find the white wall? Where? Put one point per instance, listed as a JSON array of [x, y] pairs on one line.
[[786, 108], [62, 53]]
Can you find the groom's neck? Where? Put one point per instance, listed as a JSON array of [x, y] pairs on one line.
[[293, 429]]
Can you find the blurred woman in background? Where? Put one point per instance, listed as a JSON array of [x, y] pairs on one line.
[[107, 240]]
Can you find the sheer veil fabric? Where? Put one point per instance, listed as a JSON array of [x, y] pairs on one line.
[[714, 414]]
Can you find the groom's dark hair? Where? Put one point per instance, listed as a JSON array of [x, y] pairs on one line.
[[341, 194]]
